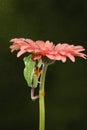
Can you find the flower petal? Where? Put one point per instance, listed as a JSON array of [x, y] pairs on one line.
[[40, 49]]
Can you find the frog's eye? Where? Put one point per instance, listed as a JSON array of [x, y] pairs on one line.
[[38, 72], [37, 68]]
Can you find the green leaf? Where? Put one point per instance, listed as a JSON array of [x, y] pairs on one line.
[[30, 70]]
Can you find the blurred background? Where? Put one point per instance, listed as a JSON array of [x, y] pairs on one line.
[[66, 83]]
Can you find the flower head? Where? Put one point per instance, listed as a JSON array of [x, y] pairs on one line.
[[62, 51], [47, 49]]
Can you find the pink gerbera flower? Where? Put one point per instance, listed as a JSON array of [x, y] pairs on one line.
[[47, 49], [62, 51]]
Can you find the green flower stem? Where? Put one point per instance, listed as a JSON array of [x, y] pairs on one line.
[[41, 99]]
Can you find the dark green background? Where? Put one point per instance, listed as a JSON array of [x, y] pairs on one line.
[[66, 83]]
